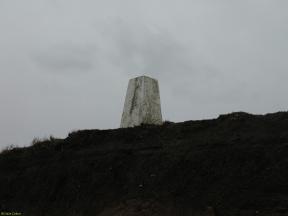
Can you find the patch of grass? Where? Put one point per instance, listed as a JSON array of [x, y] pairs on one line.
[[9, 148], [167, 122], [39, 141]]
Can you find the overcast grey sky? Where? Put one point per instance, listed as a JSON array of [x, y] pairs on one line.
[[65, 64]]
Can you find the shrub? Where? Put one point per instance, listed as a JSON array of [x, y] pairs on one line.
[[9, 148]]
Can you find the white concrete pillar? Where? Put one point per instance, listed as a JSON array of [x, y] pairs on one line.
[[142, 103]]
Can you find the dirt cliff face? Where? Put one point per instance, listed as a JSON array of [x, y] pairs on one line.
[[236, 164]]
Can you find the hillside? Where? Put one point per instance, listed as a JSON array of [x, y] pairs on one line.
[[236, 164]]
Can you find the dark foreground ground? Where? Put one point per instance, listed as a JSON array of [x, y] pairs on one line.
[[234, 165]]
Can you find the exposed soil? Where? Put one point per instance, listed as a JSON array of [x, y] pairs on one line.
[[236, 164]]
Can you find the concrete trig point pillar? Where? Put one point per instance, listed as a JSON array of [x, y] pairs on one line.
[[142, 103]]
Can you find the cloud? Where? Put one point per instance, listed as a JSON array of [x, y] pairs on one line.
[[141, 50], [66, 58]]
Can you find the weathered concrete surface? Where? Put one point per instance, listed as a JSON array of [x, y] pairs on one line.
[[142, 103]]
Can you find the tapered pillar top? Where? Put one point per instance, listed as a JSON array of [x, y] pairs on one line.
[[144, 77]]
